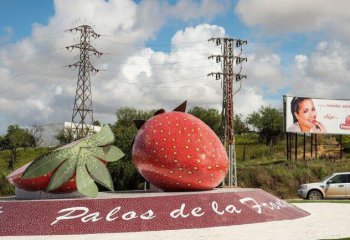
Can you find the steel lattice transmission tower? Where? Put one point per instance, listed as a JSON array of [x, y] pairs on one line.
[[83, 116], [228, 60]]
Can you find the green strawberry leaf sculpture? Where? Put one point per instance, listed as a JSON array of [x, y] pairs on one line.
[[75, 166]]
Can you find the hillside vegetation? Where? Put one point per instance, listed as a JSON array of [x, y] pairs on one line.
[[281, 177], [260, 151], [261, 169]]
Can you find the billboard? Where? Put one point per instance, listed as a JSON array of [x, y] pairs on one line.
[[313, 115]]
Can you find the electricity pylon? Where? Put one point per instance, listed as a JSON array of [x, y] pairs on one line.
[[83, 116], [226, 58]]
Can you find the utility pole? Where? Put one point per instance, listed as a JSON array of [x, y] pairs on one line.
[[226, 58], [83, 116]]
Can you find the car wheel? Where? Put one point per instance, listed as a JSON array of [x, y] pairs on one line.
[[314, 195]]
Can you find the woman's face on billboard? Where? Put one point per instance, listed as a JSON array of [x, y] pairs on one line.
[[307, 114]]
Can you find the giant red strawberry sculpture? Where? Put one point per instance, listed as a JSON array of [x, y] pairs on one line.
[[175, 151]]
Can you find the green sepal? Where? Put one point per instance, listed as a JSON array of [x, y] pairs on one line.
[[62, 174], [80, 157], [85, 183], [108, 153], [100, 173], [104, 137], [46, 163]]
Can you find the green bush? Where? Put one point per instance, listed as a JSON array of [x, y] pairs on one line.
[[6, 189], [301, 175]]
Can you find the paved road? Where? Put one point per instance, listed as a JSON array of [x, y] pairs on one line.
[[327, 221]]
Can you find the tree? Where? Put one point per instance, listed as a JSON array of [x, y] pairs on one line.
[[15, 138], [96, 123], [65, 136], [124, 174], [268, 122], [2, 142], [239, 125], [213, 119], [36, 131], [345, 139]]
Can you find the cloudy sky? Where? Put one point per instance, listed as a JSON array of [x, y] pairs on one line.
[[156, 54]]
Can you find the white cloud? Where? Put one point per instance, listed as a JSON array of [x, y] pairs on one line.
[[300, 61], [264, 72], [6, 36], [35, 88], [323, 73], [289, 16], [190, 9], [247, 101], [151, 79], [319, 71]]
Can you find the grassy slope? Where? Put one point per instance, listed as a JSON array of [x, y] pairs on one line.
[[282, 179], [273, 173], [23, 156]]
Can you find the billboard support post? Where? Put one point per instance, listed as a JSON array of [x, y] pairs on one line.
[[311, 143], [304, 147], [316, 146], [296, 147], [290, 146], [287, 146], [341, 147]]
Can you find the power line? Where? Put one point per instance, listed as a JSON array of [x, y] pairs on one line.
[[151, 44], [13, 89], [39, 53], [256, 44], [155, 86], [160, 82], [160, 64]]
